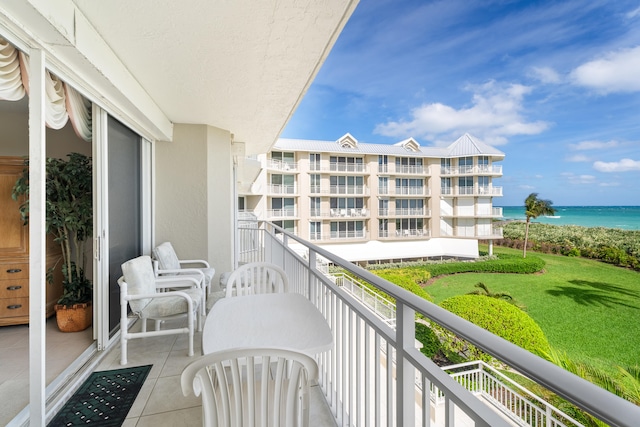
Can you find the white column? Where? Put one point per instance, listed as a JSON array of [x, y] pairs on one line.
[[37, 240]]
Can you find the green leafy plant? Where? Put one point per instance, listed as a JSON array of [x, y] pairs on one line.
[[69, 218], [498, 317], [505, 296]]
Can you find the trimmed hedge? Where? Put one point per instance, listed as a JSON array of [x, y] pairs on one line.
[[502, 264], [499, 317], [408, 278]]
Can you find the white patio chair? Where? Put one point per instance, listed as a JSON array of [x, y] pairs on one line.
[[257, 278], [237, 391], [166, 263], [141, 290]]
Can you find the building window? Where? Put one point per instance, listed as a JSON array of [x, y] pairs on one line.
[[483, 185], [407, 227], [383, 207], [241, 204], [346, 206], [288, 225], [315, 230], [409, 186], [314, 181], [383, 185], [465, 185], [445, 166], [282, 160], [383, 163], [346, 184], [346, 164], [465, 164], [347, 229], [445, 185], [409, 165], [409, 207], [483, 163], [383, 228], [314, 206], [282, 184], [282, 206], [314, 161]]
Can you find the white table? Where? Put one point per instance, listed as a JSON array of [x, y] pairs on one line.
[[282, 320]]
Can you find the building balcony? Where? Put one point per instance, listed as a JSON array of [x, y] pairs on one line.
[[477, 232], [418, 212], [279, 165], [411, 233], [489, 190], [358, 168], [410, 170], [282, 189], [281, 213], [375, 372], [471, 170], [404, 191], [348, 235], [360, 190], [349, 213]]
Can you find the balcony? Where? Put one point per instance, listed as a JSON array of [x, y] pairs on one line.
[[411, 170], [488, 190], [281, 213], [282, 189], [412, 233], [279, 165], [347, 167], [471, 170], [349, 213], [360, 190], [347, 235], [419, 212], [493, 232], [375, 375]]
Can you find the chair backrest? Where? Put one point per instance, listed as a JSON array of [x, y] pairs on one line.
[[140, 278], [257, 278], [166, 256], [252, 387]]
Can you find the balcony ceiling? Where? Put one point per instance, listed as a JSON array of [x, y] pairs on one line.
[[238, 65]]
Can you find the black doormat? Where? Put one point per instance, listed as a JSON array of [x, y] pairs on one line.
[[104, 399]]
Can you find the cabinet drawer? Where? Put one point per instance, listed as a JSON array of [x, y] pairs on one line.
[[14, 288], [14, 271], [13, 307]]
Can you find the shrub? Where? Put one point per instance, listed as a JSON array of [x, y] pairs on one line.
[[501, 264], [430, 342], [409, 279], [499, 317]]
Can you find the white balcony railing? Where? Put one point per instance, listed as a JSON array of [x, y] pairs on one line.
[[375, 375], [412, 233], [282, 166], [352, 234], [472, 170], [349, 213], [282, 189], [281, 213], [410, 170], [347, 167], [349, 189]]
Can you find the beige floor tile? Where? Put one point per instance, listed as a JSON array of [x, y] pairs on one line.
[[190, 417], [142, 398], [167, 396]]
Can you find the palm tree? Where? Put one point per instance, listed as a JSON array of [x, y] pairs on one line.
[[533, 208]]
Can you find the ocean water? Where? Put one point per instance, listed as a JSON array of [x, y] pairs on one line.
[[624, 217]]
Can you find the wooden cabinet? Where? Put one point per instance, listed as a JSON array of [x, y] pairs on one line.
[[14, 253]]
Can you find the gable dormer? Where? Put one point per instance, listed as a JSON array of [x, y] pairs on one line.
[[348, 141], [409, 145]]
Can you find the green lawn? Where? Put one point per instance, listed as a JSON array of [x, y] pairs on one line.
[[588, 309]]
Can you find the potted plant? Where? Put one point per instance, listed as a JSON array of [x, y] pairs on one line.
[[69, 218]]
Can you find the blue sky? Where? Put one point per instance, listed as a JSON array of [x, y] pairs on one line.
[[553, 84]]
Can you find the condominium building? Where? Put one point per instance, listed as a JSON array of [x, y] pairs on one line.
[[368, 202]]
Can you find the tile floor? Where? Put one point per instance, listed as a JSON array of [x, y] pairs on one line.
[[160, 401], [61, 349]]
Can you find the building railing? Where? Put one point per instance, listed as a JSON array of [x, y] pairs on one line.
[[412, 212], [282, 166], [348, 213], [412, 232], [349, 189], [411, 170], [411, 191], [512, 399], [377, 303], [281, 213], [471, 170], [348, 234], [361, 382], [347, 167], [282, 189]]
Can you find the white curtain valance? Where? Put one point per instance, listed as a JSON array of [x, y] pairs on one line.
[[11, 88], [62, 102]]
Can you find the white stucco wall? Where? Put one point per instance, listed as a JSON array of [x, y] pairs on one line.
[[194, 194]]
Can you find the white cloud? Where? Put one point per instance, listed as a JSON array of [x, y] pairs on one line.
[[624, 165], [593, 145], [579, 179], [616, 72], [495, 114], [609, 184], [634, 13], [578, 158], [546, 75], [527, 187]]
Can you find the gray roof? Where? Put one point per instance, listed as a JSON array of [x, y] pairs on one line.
[[466, 145]]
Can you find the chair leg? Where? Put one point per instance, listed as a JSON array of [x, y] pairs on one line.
[[144, 324], [191, 320], [124, 329]]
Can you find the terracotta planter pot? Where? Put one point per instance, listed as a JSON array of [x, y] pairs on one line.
[[75, 318]]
